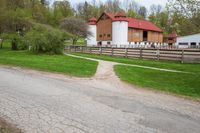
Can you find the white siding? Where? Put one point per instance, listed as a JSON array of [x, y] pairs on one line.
[[187, 40], [92, 39], [120, 33]]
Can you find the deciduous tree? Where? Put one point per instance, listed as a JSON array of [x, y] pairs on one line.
[[77, 27]]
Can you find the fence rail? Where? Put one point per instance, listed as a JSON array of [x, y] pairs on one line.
[[182, 55]]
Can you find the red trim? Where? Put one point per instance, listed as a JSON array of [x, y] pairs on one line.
[[92, 23], [93, 19]]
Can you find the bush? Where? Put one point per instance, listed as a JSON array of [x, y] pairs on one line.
[[18, 42], [45, 39]]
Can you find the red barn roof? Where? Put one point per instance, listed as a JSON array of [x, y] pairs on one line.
[[133, 23], [92, 21], [142, 24]]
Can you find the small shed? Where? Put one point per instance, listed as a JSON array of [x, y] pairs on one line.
[[171, 39], [190, 41]]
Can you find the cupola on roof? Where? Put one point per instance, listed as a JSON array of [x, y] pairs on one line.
[[92, 21], [120, 14]]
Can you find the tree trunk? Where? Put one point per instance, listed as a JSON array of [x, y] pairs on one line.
[[14, 44], [1, 44], [74, 41]]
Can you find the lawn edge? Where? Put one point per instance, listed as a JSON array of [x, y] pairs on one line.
[[195, 99], [42, 71]]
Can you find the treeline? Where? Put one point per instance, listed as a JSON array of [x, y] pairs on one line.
[[37, 26], [181, 16], [35, 21]]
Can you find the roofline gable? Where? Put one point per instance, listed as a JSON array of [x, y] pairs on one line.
[[104, 13]]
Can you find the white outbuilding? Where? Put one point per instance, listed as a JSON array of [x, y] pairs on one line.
[[190, 41]]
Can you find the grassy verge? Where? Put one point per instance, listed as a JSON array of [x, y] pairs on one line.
[[8, 128], [195, 68], [53, 63], [177, 83]]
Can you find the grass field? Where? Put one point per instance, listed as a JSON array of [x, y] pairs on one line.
[[195, 68], [176, 83], [53, 63]]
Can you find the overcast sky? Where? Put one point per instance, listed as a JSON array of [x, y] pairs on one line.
[[146, 3]]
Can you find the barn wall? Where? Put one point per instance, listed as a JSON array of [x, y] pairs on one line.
[[135, 35], [104, 29], [155, 37]]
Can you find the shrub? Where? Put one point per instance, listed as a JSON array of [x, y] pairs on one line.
[[17, 42], [45, 39]]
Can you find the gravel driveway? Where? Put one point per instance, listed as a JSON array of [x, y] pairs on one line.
[[41, 102]]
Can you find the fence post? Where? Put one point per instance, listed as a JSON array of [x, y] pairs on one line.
[[182, 56], [75, 49], [126, 52], [82, 49], [69, 48], [140, 53], [158, 54], [100, 51], [90, 50], [112, 51]]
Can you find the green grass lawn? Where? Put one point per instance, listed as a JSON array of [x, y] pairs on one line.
[[53, 63], [195, 68], [177, 83]]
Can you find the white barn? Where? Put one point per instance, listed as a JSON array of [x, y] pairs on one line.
[[190, 41]]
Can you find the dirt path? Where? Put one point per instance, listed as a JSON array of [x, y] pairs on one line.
[[115, 63], [45, 102]]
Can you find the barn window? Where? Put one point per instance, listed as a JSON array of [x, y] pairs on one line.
[[183, 44], [108, 35], [108, 43], [137, 34], [193, 45], [100, 36]]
